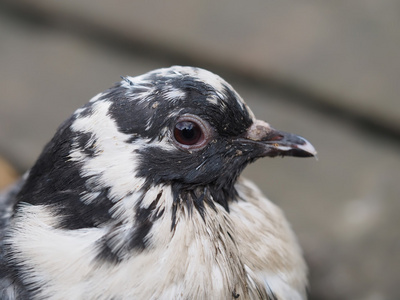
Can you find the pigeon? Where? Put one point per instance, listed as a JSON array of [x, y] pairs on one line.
[[139, 196]]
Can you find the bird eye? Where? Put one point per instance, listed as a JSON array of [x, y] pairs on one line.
[[191, 133], [187, 133]]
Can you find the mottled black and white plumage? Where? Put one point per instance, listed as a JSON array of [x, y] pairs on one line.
[[138, 196]]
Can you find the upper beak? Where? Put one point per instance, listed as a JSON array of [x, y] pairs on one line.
[[274, 142]]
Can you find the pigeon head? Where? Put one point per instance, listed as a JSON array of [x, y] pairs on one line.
[[182, 128], [193, 128]]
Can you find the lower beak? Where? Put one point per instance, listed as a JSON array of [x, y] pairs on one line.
[[273, 142]]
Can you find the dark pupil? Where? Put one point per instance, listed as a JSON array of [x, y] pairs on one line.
[[187, 133]]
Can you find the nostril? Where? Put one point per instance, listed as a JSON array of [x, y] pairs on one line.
[[277, 137]]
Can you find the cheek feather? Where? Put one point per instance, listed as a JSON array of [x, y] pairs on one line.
[[115, 163]]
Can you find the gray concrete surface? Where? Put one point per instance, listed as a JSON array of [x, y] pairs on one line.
[[344, 207], [344, 51]]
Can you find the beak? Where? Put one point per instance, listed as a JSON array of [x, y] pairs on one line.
[[272, 142]]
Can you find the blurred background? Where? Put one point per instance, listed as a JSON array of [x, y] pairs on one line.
[[327, 70]]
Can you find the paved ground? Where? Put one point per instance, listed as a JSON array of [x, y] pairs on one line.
[[326, 71]]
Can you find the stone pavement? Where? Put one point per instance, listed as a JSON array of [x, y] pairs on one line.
[[345, 208]]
